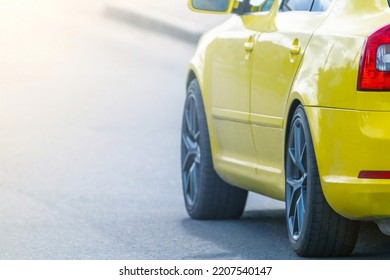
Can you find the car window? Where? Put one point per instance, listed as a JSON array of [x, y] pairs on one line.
[[252, 6], [321, 5], [268, 5], [296, 5]]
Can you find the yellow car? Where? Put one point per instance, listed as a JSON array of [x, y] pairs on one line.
[[291, 99]]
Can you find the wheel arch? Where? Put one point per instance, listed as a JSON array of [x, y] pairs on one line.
[[190, 76], [195, 72], [294, 105]]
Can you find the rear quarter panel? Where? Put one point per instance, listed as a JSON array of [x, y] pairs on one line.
[[329, 70]]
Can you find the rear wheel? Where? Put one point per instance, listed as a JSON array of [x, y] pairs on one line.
[[206, 195], [314, 229]]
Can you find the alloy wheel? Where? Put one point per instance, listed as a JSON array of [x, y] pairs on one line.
[[296, 179], [191, 154]]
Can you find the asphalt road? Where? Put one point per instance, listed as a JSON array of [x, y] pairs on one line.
[[90, 113]]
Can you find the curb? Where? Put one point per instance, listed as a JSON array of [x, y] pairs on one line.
[[155, 22]]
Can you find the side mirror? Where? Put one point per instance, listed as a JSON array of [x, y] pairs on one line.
[[212, 6]]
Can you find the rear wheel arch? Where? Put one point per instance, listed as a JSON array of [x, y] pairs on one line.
[[294, 105]]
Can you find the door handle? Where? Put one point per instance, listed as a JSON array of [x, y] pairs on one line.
[[248, 46], [295, 48]]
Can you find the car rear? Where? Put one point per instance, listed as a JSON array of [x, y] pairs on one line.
[[349, 107]]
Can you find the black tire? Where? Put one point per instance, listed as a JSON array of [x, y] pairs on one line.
[[314, 228], [206, 195]]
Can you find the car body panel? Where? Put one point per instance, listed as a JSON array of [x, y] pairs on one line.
[[230, 74], [365, 145], [282, 51], [224, 110], [329, 73], [248, 110]]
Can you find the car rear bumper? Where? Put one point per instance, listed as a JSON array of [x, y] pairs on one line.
[[348, 142]]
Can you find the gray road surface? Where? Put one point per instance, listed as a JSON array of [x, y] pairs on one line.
[[90, 111]]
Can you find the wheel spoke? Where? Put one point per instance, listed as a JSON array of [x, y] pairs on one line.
[[197, 155], [191, 185], [296, 205], [191, 182], [192, 150], [187, 183], [194, 120], [303, 152], [290, 224], [296, 223], [291, 153], [187, 117], [191, 119], [196, 135], [295, 193], [290, 206], [294, 184], [190, 144], [196, 178], [299, 147], [297, 140], [300, 212]]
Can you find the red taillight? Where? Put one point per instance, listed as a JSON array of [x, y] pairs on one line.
[[374, 74], [374, 175]]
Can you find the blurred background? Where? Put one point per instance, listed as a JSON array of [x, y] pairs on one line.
[[91, 96]]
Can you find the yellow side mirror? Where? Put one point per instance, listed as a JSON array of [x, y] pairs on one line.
[[213, 6]]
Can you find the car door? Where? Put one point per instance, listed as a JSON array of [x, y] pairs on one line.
[[277, 56], [229, 68]]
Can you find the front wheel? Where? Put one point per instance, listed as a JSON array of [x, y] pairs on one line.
[[314, 229], [206, 195]]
